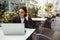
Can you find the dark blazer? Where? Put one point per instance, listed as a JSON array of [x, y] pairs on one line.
[[28, 24]]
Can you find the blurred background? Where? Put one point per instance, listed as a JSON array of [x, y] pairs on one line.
[[35, 8], [49, 9]]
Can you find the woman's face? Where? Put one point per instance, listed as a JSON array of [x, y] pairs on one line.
[[21, 13]]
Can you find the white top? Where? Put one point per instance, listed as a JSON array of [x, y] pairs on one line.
[[17, 37], [39, 19], [22, 20]]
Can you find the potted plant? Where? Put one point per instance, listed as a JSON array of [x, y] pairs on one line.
[[8, 16], [48, 7]]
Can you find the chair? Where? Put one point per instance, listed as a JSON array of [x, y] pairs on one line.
[[43, 35], [56, 24], [56, 35], [38, 36]]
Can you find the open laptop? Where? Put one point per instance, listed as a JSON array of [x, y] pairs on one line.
[[13, 28]]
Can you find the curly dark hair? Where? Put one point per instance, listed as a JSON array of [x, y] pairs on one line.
[[24, 8]]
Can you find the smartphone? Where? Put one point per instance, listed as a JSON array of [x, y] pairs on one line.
[[25, 15]]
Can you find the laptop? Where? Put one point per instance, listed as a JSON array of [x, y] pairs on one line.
[[13, 28]]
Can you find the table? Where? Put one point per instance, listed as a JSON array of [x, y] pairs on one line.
[[16, 37], [39, 19]]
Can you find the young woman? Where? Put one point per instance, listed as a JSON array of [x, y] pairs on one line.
[[23, 18]]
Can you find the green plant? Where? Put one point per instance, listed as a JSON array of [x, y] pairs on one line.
[[2, 9], [48, 7], [16, 6], [7, 16], [3, 5], [58, 11], [0, 20], [32, 11], [0, 17]]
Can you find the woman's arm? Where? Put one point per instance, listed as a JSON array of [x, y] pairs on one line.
[[30, 23]]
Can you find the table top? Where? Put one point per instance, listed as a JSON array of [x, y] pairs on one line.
[[16, 37], [39, 19]]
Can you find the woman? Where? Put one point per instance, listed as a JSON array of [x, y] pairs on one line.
[[23, 18]]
